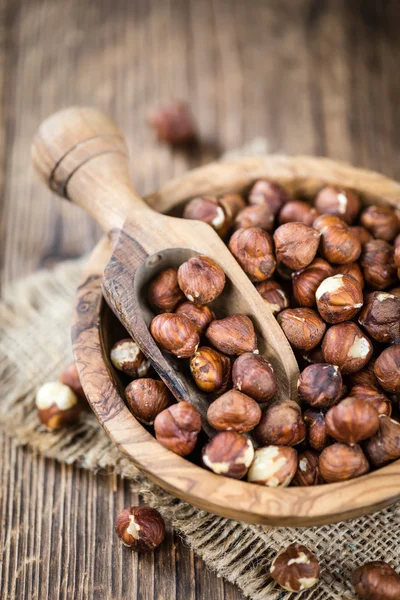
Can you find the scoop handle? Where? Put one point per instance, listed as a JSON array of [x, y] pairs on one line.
[[81, 154]]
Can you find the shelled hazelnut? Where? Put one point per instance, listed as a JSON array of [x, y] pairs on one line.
[[387, 369], [70, 377], [146, 398], [140, 528], [296, 244], [127, 357], [209, 210], [339, 244], [340, 462], [307, 472], [362, 234], [377, 261], [303, 327], [372, 395], [274, 295], [366, 376], [253, 249], [164, 293], [270, 193], [384, 446], [253, 375], [200, 315], [258, 215], [307, 280], [295, 569], [234, 411], [229, 453], [233, 335], [201, 279], [284, 272], [396, 242], [298, 211], [174, 124], [381, 221], [232, 204], [340, 202], [352, 269], [313, 356], [380, 317], [57, 405], [320, 385], [376, 581], [346, 346], [273, 466], [316, 436], [175, 334], [178, 427], [339, 298], [211, 370], [351, 421], [281, 424]]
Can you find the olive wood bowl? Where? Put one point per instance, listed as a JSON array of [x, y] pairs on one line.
[[95, 329]]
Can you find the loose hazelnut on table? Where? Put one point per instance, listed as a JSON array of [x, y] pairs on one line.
[[298, 211], [362, 234], [57, 405], [258, 215], [303, 327], [270, 193], [281, 424], [339, 298], [127, 357], [295, 569], [377, 261], [384, 446], [174, 124], [296, 244], [178, 427], [317, 436], [307, 280], [232, 204], [381, 221], [211, 370], [380, 317], [253, 375], [164, 293], [376, 581], [70, 377], [209, 210], [201, 279], [372, 395], [234, 411], [339, 244], [200, 315], [340, 462], [146, 398], [140, 528], [175, 334], [253, 249], [340, 202], [274, 295], [346, 346], [233, 335], [387, 369], [273, 466], [320, 385], [307, 470], [352, 269], [229, 453], [351, 421]]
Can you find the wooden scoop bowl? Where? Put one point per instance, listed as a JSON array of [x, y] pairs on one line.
[[81, 155]]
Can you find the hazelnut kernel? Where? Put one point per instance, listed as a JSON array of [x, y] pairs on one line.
[[298, 211], [303, 327], [164, 293], [352, 269], [281, 424], [178, 427], [209, 210], [201, 279], [295, 569], [346, 346], [371, 395], [376, 580], [234, 411], [270, 193], [57, 405], [70, 377], [362, 234], [307, 280], [296, 244], [317, 436], [258, 215], [175, 334], [146, 398], [127, 357], [381, 221], [274, 295], [253, 375], [320, 384], [307, 470], [340, 202], [174, 124], [253, 249], [233, 335], [377, 261], [210, 369], [339, 298], [273, 466], [387, 369], [340, 462], [140, 528], [384, 446], [229, 453], [380, 317], [232, 204], [351, 421], [339, 244], [200, 315]]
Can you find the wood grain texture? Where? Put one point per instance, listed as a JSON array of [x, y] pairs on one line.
[[313, 76]]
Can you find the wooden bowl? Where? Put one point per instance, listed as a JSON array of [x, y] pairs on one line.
[[95, 329]]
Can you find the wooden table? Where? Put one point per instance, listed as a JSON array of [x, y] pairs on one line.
[[312, 76]]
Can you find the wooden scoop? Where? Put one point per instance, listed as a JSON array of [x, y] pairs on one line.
[[82, 156]]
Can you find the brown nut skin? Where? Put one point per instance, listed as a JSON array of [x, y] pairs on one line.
[[177, 428], [339, 298], [340, 202], [303, 327], [351, 421], [339, 244], [57, 405], [274, 295], [381, 221], [320, 385], [258, 215], [281, 424], [273, 466], [373, 396], [201, 279], [140, 528], [295, 569], [346, 346], [298, 211], [175, 334], [380, 317], [362, 234], [234, 411], [127, 357], [387, 369], [296, 244], [317, 436], [146, 398], [164, 293], [377, 262], [174, 124], [70, 377], [307, 280], [253, 249], [352, 269], [269, 192], [200, 315], [384, 447], [365, 376], [253, 375], [232, 204], [233, 335], [284, 272], [307, 470], [340, 462], [210, 369], [376, 581], [209, 210], [229, 453]]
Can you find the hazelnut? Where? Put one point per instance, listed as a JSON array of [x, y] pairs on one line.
[[57, 405], [274, 295], [201, 279], [376, 581], [320, 385], [146, 398], [377, 261], [338, 243], [284, 272], [340, 462], [253, 375], [380, 317], [339, 298], [273, 466], [307, 470], [384, 446], [397, 259], [232, 204], [295, 569], [381, 221], [281, 424], [270, 193], [234, 411], [362, 234], [210, 369], [229, 453], [233, 335], [209, 210], [258, 215], [340, 202], [298, 211], [296, 244], [252, 248], [164, 293], [351, 421], [201, 315], [346, 346], [70, 377], [177, 428], [174, 124], [352, 269], [141, 528], [127, 357], [365, 376], [396, 242], [387, 369], [316, 436], [313, 356], [395, 291], [373, 396], [303, 327], [175, 334], [307, 280]]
